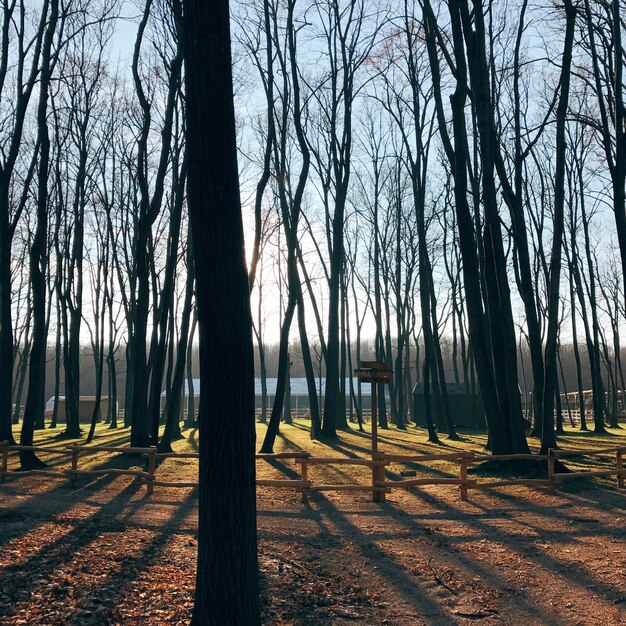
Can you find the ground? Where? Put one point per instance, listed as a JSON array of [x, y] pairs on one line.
[[106, 553]]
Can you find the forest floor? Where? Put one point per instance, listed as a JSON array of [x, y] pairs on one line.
[[106, 553]]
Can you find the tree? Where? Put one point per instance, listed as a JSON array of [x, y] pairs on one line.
[[603, 39], [151, 192], [35, 400], [550, 380], [290, 196], [17, 91], [173, 400], [349, 31], [76, 110], [227, 578], [412, 111], [505, 430]]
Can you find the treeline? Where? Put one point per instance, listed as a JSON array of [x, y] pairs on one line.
[[115, 377], [447, 177], [568, 370]]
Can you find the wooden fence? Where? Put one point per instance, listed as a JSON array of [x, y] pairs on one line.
[[380, 483]]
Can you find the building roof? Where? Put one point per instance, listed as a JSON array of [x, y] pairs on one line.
[[50, 403], [453, 389], [298, 387]]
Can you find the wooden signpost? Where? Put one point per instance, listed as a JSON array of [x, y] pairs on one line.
[[375, 373]]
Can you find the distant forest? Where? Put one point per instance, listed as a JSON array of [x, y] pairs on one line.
[[88, 368]]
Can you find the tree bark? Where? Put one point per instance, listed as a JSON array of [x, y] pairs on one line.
[[227, 577]]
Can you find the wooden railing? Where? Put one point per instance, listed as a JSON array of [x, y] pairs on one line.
[[380, 484], [73, 453]]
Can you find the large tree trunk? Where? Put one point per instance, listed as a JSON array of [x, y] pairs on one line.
[[331, 390], [111, 365], [99, 367], [227, 578], [316, 425], [72, 375], [341, 419], [57, 370]]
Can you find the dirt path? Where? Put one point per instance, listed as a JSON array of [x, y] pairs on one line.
[[107, 554], [523, 558]]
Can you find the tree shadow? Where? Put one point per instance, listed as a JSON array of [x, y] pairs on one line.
[[18, 578], [62, 496], [23, 579], [192, 438], [112, 589], [573, 532], [432, 602], [332, 525]]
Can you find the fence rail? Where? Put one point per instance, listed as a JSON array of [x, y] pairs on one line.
[[380, 461]]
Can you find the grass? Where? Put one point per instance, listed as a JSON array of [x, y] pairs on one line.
[[352, 444]]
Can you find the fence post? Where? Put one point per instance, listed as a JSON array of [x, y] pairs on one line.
[[73, 475], [620, 468], [551, 472], [151, 469], [304, 473], [463, 477], [378, 475], [4, 445]]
